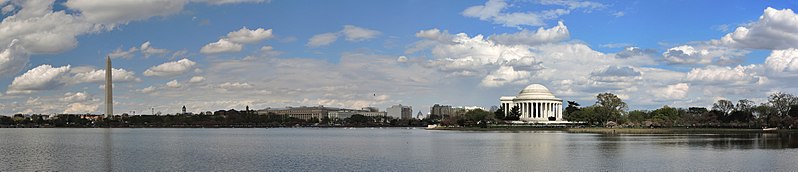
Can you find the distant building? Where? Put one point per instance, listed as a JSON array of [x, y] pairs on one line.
[[320, 112], [346, 113], [303, 112], [371, 109], [400, 112], [441, 110], [447, 110], [468, 108]]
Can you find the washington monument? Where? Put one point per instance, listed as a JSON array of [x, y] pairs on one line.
[[109, 89]]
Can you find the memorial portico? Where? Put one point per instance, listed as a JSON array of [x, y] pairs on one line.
[[535, 103]]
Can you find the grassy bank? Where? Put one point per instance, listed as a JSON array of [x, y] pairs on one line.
[[663, 130], [619, 130], [499, 129]]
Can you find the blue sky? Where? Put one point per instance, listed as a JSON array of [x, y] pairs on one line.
[[211, 55]]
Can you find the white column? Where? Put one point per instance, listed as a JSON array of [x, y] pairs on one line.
[[540, 112], [506, 108], [537, 110], [526, 108], [546, 114], [523, 110], [548, 110], [529, 109]]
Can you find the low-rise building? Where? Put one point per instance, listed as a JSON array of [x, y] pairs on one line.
[[346, 113], [400, 112], [319, 112], [303, 112]]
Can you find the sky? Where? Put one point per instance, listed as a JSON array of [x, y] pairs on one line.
[[229, 54]]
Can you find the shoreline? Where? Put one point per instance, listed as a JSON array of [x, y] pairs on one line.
[[597, 130]]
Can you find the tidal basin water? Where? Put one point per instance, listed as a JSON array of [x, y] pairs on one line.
[[393, 149]]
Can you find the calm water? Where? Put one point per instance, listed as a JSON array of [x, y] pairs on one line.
[[386, 150]]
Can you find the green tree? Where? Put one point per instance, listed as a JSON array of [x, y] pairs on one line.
[[781, 102], [476, 116], [724, 106], [609, 107], [499, 114], [515, 114], [570, 111], [637, 116], [744, 105], [572, 107], [666, 116]]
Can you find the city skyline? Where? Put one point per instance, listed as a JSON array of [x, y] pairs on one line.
[[212, 55]]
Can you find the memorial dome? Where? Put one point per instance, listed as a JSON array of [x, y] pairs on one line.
[[535, 91]]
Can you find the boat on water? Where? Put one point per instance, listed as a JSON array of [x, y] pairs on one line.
[[770, 129], [432, 126]]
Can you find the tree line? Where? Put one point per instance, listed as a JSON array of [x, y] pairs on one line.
[[780, 110], [221, 118]]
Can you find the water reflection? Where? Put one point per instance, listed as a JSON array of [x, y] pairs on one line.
[[782, 140], [387, 150], [108, 150]]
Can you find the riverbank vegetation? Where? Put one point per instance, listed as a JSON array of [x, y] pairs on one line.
[[780, 110], [219, 119]]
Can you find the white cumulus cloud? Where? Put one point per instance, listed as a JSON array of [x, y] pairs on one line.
[[13, 59], [81, 108], [44, 77], [246, 36], [147, 90], [221, 46], [775, 29], [173, 84], [75, 97], [235, 85], [701, 54], [170, 68], [783, 62], [123, 11], [541, 36], [196, 79], [234, 41], [147, 49], [724, 75], [98, 76], [675, 91]]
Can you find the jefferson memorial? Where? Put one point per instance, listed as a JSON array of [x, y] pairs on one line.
[[535, 103]]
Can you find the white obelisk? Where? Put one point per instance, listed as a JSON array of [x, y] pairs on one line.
[[109, 89]]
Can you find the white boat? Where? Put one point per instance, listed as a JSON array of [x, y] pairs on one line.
[[432, 126], [770, 129]]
